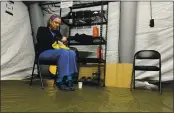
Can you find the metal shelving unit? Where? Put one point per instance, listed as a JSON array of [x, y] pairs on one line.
[[101, 41]]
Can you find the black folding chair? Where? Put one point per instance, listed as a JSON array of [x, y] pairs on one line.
[[146, 54], [39, 62]]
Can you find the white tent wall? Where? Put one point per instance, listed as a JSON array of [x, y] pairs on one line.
[[159, 37], [17, 52]]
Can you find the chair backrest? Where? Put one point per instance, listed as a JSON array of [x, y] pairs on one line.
[[35, 46], [36, 49], [147, 54]]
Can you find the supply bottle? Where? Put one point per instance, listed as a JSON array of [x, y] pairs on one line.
[[95, 31]]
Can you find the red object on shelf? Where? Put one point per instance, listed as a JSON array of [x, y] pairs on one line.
[[95, 31], [98, 53]]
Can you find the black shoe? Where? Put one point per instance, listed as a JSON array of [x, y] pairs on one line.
[[70, 85], [63, 87]]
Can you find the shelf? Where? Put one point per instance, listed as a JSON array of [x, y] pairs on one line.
[[85, 18], [84, 5], [96, 43], [71, 25], [86, 44], [100, 41], [76, 6], [90, 60]]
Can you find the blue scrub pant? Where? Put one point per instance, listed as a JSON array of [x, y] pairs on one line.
[[66, 61]]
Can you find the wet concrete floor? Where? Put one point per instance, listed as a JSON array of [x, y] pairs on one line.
[[18, 96]]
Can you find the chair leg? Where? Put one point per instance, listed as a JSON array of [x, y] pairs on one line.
[[32, 72], [78, 67], [132, 79], [56, 76], [160, 86], [40, 75]]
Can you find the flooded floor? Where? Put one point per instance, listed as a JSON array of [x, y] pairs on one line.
[[18, 96]]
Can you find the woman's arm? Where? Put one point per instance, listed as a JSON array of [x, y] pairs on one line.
[[61, 37]]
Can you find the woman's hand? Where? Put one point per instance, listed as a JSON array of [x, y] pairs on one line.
[[64, 39], [61, 43]]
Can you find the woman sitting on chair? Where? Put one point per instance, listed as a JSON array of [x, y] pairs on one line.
[[66, 59]]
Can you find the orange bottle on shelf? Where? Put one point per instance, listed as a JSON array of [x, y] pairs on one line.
[[95, 31]]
